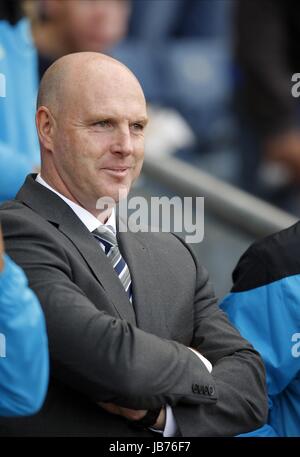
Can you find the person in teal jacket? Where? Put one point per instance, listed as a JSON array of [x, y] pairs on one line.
[[27, 48], [264, 305], [24, 364], [19, 151]]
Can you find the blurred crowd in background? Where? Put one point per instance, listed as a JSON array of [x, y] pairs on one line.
[[217, 75]]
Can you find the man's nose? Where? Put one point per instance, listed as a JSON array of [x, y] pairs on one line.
[[123, 142]]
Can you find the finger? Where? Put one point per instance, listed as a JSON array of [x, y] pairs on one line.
[[133, 414], [110, 407]]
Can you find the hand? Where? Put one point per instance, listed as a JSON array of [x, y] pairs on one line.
[[285, 149], [134, 414], [1, 251], [161, 420], [131, 414]]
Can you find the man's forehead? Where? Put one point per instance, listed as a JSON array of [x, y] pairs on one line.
[[112, 104], [106, 75], [97, 92]]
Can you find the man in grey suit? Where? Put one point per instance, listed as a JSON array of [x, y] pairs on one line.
[[138, 344]]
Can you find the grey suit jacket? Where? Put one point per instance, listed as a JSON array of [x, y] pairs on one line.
[[103, 348]]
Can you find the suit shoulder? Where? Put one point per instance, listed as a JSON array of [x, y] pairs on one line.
[[12, 209], [173, 248], [167, 241], [270, 259], [17, 218]]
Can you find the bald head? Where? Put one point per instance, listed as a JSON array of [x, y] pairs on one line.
[[90, 119], [65, 77]]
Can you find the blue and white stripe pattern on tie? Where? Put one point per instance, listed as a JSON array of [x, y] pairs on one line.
[[106, 236]]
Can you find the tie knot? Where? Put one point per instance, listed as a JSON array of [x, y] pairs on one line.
[[106, 233]]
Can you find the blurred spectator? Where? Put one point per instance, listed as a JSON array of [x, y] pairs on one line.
[[23, 343], [19, 153], [168, 19], [180, 50], [62, 27], [27, 48], [267, 51]]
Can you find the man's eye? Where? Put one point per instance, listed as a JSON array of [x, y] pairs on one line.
[[103, 123], [138, 126]]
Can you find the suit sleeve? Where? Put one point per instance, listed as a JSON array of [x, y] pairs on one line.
[[96, 353], [238, 373]]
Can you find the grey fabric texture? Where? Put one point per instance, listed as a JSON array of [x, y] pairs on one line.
[[104, 348]]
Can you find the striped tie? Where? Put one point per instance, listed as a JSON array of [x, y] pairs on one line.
[[105, 235]]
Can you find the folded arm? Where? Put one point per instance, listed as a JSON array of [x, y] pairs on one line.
[[238, 372], [102, 356]]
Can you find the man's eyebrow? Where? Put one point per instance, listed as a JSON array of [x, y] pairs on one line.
[[142, 120], [102, 116]]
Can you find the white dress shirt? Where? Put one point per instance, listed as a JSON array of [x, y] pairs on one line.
[[91, 223]]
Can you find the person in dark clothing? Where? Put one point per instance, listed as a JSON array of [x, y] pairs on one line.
[[267, 34]]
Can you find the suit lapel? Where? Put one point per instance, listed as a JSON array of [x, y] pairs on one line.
[[149, 309], [55, 210], [100, 266]]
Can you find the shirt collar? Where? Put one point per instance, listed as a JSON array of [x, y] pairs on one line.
[[88, 219]]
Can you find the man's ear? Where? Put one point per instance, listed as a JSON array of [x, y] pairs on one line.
[[45, 127]]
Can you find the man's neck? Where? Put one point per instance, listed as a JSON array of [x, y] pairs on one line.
[[59, 187], [63, 191]]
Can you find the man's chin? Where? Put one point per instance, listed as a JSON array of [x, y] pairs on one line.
[[119, 192], [112, 197]]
